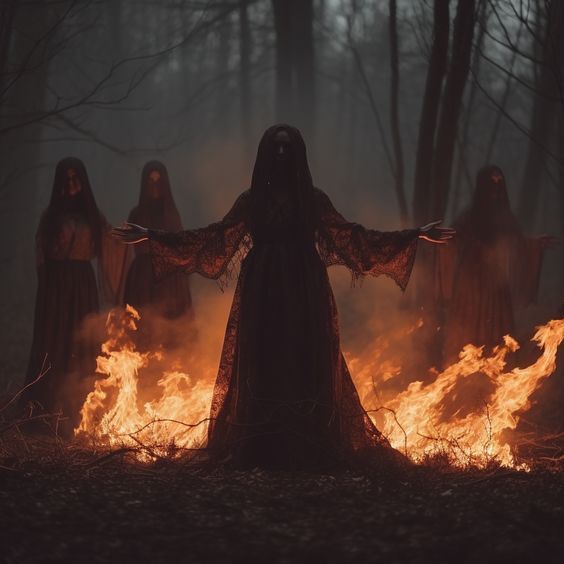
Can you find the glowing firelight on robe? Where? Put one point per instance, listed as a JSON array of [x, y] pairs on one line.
[[415, 421], [174, 420]]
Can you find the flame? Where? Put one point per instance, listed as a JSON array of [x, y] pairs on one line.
[[422, 420], [426, 420], [381, 362], [111, 412]]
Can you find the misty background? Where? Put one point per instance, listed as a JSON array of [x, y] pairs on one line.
[[400, 103]]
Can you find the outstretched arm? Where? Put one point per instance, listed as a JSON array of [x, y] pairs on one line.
[[367, 251], [435, 234], [131, 233], [207, 251]]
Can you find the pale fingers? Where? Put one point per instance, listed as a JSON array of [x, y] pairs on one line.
[[433, 240]]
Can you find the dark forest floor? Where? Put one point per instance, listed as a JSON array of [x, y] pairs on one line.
[[95, 509]]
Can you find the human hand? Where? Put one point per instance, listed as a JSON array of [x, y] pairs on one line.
[[130, 233], [435, 234]]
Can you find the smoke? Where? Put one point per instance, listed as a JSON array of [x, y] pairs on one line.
[[381, 334]]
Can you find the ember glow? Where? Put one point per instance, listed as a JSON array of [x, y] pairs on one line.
[[443, 417], [173, 420]]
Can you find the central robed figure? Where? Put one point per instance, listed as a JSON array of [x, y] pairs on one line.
[[284, 397]]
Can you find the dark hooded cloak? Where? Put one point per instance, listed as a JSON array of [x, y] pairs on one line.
[[283, 395], [170, 297], [488, 270], [71, 234]]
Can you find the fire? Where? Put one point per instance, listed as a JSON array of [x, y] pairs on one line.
[[112, 413], [425, 420], [381, 363], [422, 420]]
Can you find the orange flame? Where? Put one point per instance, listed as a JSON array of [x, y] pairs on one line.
[[111, 412], [422, 420], [415, 420]]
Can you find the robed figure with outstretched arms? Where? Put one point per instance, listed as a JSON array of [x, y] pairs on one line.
[[284, 396], [488, 271]]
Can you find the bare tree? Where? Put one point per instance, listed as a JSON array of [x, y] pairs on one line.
[[467, 115], [295, 85], [223, 56], [430, 111], [394, 113], [548, 88], [245, 47], [451, 104], [503, 103], [7, 14]]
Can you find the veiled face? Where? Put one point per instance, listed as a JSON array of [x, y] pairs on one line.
[[281, 152], [497, 188], [282, 146], [72, 183], [154, 184], [496, 176]]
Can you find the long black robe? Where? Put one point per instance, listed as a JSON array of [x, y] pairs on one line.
[[69, 238], [489, 269], [284, 396], [171, 297]]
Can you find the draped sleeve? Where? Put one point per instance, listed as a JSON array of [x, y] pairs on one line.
[[363, 251], [209, 251]]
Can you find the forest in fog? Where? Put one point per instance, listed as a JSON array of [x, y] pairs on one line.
[[184, 378], [400, 102]]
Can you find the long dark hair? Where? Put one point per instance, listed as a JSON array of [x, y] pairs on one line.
[[156, 213], [299, 177], [60, 204]]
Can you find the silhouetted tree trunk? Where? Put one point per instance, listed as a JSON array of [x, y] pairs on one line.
[[542, 119], [560, 136], [284, 59], [26, 60], [451, 104], [244, 75], [295, 90], [341, 127], [467, 117], [350, 129], [490, 154], [7, 12], [341, 103], [430, 111], [394, 114], [20, 154], [435, 176], [304, 60], [222, 112], [561, 185]]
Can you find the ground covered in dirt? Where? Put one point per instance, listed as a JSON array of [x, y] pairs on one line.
[[85, 508]]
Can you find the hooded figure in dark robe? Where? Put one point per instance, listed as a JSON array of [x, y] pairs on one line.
[[284, 396], [490, 269], [169, 298], [71, 234]]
